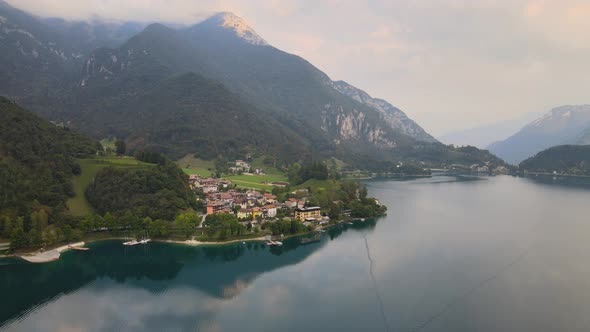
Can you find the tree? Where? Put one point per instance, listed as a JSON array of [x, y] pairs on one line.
[[158, 228], [18, 238], [120, 147], [6, 227], [185, 223]]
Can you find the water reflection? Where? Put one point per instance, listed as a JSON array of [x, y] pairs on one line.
[[170, 273], [560, 181], [453, 254]]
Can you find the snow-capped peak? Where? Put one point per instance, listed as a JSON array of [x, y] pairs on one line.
[[240, 27]]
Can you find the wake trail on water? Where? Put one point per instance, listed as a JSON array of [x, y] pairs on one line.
[[379, 299], [463, 296]]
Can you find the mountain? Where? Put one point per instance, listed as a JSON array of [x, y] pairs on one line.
[[43, 56], [562, 125], [36, 162], [392, 115], [153, 90], [485, 135], [563, 159]]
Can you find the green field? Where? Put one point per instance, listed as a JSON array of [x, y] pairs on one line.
[[78, 205], [200, 171], [191, 165], [259, 163], [318, 185], [256, 181]]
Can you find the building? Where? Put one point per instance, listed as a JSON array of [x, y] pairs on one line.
[[256, 211], [291, 203], [210, 186], [244, 213], [270, 198], [215, 207], [312, 212], [271, 210]]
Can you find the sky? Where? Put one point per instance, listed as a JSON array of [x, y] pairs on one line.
[[449, 64]]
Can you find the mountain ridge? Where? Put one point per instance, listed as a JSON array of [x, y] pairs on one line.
[[284, 90], [565, 124]]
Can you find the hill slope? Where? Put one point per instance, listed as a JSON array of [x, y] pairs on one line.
[[36, 162], [563, 159], [562, 125]]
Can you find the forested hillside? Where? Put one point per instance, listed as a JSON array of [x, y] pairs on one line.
[[563, 159], [36, 162], [158, 192]]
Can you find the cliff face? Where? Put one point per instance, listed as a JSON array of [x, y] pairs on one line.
[[354, 126], [391, 115]]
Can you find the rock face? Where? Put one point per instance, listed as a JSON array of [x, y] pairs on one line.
[[568, 124], [390, 114], [354, 126], [239, 26]]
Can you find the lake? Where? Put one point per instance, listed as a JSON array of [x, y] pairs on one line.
[[454, 253]]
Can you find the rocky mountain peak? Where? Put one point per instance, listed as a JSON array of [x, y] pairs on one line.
[[240, 27]]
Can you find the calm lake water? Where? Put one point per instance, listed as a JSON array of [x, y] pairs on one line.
[[453, 254]]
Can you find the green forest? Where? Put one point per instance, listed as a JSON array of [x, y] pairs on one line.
[[156, 192], [563, 159], [37, 163]]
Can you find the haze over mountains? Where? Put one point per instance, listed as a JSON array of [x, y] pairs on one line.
[[563, 125], [214, 88], [485, 135]]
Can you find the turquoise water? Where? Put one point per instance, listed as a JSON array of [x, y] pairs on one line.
[[453, 254]]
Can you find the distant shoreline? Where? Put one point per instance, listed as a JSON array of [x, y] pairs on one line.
[[555, 175]]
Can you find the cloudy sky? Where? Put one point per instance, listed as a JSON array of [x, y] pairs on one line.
[[449, 64]]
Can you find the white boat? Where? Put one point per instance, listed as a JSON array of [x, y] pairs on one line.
[[278, 243], [144, 241], [363, 219], [131, 243]]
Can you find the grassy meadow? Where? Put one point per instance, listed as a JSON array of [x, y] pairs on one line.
[[78, 205], [191, 165]]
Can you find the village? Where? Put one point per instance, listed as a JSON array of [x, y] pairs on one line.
[[253, 207]]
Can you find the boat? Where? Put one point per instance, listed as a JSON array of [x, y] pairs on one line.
[[243, 242], [145, 239], [131, 243], [79, 248], [362, 219], [272, 243]]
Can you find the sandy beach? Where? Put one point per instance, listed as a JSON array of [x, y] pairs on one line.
[[50, 255]]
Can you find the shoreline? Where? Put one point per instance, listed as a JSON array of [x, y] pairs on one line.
[[555, 175], [195, 243], [49, 255], [39, 257]]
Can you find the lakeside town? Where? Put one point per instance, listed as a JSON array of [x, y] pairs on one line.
[[253, 207]]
